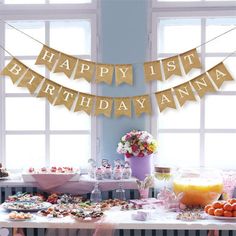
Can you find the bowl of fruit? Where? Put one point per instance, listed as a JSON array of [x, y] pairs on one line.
[[222, 209]]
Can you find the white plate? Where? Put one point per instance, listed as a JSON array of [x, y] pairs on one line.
[[44, 206], [222, 217]]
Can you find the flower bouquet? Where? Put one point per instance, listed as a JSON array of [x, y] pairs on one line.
[[137, 147], [137, 143]]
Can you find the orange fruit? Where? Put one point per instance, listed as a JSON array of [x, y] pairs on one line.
[[234, 206], [217, 205], [228, 207], [206, 208], [211, 211], [219, 212], [232, 200], [228, 213], [234, 213]]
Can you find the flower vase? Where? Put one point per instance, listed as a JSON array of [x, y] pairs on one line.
[[140, 166], [143, 192]]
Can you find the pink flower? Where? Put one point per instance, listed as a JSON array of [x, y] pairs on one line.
[[128, 155], [134, 148]]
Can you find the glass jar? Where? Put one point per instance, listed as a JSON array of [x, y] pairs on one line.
[[198, 186], [163, 178]]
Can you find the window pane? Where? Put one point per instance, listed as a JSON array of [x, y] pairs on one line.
[[173, 36], [70, 150], [178, 150], [24, 151], [72, 37], [18, 43], [11, 88], [25, 113], [225, 43], [62, 119], [220, 150], [187, 117], [220, 112]]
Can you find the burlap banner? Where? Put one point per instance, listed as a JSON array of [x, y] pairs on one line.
[[85, 103], [31, 80], [66, 97], [122, 106], [59, 62], [15, 70], [165, 99], [142, 104], [219, 74], [49, 90], [74, 100], [104, 73]]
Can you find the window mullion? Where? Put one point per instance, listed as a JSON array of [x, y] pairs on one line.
[[47, 105], [202, 101], [2, 99]]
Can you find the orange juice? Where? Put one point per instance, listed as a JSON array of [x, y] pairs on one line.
[[198, 189]]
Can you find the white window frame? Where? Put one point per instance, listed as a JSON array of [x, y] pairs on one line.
[[47, 12], [203, 10]]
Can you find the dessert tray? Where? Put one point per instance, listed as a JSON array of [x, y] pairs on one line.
[[26, 206]]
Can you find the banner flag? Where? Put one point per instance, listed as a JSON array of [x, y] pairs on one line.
[[184, 93], [165, 99], [48, 57], [104, 73], [31, 80], [152, 71], [202, 85], [122, 106], [171, 66], [142, 104], [124, 74], [85, 103], [14, 69], [66, 97], [49, 90], [219, 74], [190, 60], [65, 64], [85, 70], [103, 106]]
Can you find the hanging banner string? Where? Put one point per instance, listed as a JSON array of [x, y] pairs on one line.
[[208, 41], [224, 59]]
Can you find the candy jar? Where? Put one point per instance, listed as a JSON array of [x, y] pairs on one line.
[[163, 178], [127, 172], [117, 172], [99, 173], [107, 173], [92, 168]]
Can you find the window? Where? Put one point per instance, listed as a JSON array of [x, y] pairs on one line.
[[35, 133], [201, 133]]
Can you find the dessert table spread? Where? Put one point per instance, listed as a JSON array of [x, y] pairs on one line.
[[121, 220]]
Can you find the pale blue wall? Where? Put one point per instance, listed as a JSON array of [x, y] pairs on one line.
[[124, 39]]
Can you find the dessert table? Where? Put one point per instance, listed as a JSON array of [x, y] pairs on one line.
[[121, 220]]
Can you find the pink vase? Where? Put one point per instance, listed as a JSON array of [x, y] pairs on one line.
[[141, 166], [143, 192]]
